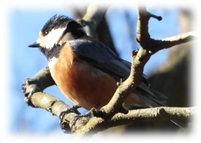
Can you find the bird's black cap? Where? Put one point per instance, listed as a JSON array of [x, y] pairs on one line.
[[55, 22]]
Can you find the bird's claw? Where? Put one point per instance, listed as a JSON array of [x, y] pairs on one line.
[[87, 114], [68, 110], [74, 108]]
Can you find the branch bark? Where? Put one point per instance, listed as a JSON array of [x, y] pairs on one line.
[[91, 19], [152, 114], [87, 126]]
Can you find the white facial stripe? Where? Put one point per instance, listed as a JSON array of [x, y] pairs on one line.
[[52, 38], [51, 62]]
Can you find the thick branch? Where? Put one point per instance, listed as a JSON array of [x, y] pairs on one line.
[[91, 19], [97, 124], [48, 102], [86, 126], [142, 25], [156, 114], [178, 39], [37, 83], [151, 114]]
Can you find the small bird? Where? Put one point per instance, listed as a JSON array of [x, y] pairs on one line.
[[85, 70]]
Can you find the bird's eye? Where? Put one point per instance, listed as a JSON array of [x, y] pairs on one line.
[[46, 32]]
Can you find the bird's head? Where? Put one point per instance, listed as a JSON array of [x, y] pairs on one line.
[[58, 30]]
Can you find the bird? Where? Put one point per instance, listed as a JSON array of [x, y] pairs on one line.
[[85, 70]]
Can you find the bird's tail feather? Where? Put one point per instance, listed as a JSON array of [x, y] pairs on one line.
[[155, 99]]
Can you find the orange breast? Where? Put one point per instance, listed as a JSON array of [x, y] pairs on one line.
[[83, 84]]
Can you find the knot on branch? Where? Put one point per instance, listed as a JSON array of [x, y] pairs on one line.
[[30, 87]]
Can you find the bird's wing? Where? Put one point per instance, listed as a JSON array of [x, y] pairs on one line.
[[101, 57]]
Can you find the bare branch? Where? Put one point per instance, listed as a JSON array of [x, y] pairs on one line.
[[97, 124], [37, 83], [91, 19], [150, 114], [178, 39], [157, 113], [151, 45], [48, 102]]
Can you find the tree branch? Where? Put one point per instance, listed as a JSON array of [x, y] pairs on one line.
[[87, 126], [178, 39], [91, 19], [38, 83], [151, 114]]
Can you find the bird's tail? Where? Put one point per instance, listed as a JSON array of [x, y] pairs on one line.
[[155, 99]]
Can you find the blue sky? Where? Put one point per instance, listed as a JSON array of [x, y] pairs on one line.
[[25, 62]]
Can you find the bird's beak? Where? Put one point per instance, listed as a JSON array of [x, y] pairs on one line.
[[34, 45]]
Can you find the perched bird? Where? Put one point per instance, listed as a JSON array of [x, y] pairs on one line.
[[85, 70]]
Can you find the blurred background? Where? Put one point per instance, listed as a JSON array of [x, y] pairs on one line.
[[167, 70]]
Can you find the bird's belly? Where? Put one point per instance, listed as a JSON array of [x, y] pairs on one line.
[[83, 84]]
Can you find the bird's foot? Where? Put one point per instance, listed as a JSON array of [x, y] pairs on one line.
[[68, 110], [89, 114], [63, 125]]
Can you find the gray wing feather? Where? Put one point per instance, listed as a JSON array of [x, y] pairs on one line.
[[100, 56]]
